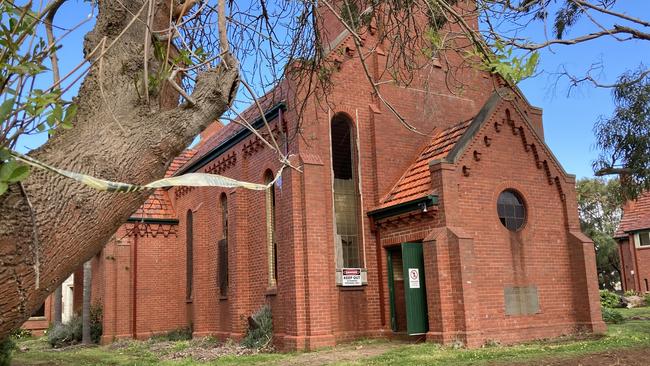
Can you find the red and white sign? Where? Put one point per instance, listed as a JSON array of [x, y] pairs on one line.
[[414, 278], [351, 277]]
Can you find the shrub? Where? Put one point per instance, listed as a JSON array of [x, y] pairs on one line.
[[178, 334], [21, 333], [629, 293], [260, 329], [612, 316], [647, 299], [96, 316], [65, 334], [609, 299], [7, 347]]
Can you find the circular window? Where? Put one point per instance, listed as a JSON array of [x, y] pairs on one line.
[[511, 210]]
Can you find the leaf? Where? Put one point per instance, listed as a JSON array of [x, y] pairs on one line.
[[7, 169], [70, 112], [3, 188], [20, 173], [5, 108]]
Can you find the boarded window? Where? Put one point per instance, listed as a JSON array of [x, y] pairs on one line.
[[272, 247], [346, 196], [189, 244], [223, 248], [521, 300]]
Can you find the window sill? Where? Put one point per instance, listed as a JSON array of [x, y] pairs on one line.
[[352, 288], [37, 318], [273, 291], [223, 297], [188, 301]]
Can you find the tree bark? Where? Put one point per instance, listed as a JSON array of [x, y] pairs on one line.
[[68, 223], [58, 305], [85, 309]]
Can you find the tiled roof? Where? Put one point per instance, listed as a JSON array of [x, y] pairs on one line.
[[416, 182], [158, 205], [636, 216], [251, 113]]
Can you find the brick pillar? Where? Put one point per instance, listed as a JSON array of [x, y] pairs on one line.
[[450, 266], [238, 265]]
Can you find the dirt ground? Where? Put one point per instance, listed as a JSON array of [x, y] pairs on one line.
[[343, 353], [621, 357]]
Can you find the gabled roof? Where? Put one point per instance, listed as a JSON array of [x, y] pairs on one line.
[[158, 206], [636, 216], [416, 182]]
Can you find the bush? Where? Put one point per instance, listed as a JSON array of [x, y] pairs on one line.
[[647, 299], [7, 347], [21, 333], [609, 299], [65, 334], [96, 316], [179, 334], [612, 316], [629, 293], [260, 329]]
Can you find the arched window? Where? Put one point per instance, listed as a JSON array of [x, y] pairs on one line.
[[189, 259], [346, 196], [272, 247], [223, 248]]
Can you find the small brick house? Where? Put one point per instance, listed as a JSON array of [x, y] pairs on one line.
[[633, 237], [466, 232]]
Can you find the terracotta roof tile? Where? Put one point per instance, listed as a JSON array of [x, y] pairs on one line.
[[416, 182], [158, 205], [636, 216], [250, 114]]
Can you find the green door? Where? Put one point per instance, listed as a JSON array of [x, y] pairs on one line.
[[414, 288]]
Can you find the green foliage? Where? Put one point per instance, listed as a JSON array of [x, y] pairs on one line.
[[7, 347], [629, 293], [65, 334], [504, 62], [599, 209], [624, 138], [96, 317], [646, 298], [260, 330], [612, 316], [179, 334], [21, 333], [566, 17], [609, 299]]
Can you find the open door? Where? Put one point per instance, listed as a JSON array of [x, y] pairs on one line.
[[414, 288]]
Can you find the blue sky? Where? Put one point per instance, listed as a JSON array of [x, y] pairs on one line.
[[568, 118]]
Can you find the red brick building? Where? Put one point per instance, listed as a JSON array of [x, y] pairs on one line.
[[633, 237], [467, 231]]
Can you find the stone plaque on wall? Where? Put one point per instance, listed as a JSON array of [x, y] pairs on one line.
[[521, 300]]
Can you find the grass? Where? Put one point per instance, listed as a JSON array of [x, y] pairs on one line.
[[629, 334]]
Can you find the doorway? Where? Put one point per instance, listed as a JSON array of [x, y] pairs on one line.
[[407, 290]]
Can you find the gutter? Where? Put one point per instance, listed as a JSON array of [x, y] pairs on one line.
[[413, 205], [238, 137], [147, 220]]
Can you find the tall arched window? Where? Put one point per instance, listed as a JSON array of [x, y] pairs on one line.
[[223, 247], [189, 259], [272, 247], [346, 196]]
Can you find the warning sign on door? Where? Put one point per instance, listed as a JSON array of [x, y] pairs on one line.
[[414, 278]]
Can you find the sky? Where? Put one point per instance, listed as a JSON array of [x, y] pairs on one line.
[[569, 114]]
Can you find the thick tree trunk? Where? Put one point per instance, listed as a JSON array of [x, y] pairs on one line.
[[85, 309], [68, 222], [58, 305]]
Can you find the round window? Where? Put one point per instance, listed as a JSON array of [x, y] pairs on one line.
[[511, 210]]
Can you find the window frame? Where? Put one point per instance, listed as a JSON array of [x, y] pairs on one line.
[[503, 219], [637, 239]]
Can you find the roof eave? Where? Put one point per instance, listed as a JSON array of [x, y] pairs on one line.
[[400, 208]]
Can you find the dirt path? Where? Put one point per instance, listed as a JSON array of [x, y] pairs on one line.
[[341, 353], [620, 357]]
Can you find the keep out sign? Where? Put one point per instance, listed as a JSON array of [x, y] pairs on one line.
[[351, 277], [414, 278]]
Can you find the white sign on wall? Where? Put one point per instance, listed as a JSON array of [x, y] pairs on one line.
[[351, 277], [414, 278]]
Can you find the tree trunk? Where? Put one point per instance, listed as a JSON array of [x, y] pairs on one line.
[[116, 136], [58, 305], [85, 310]]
